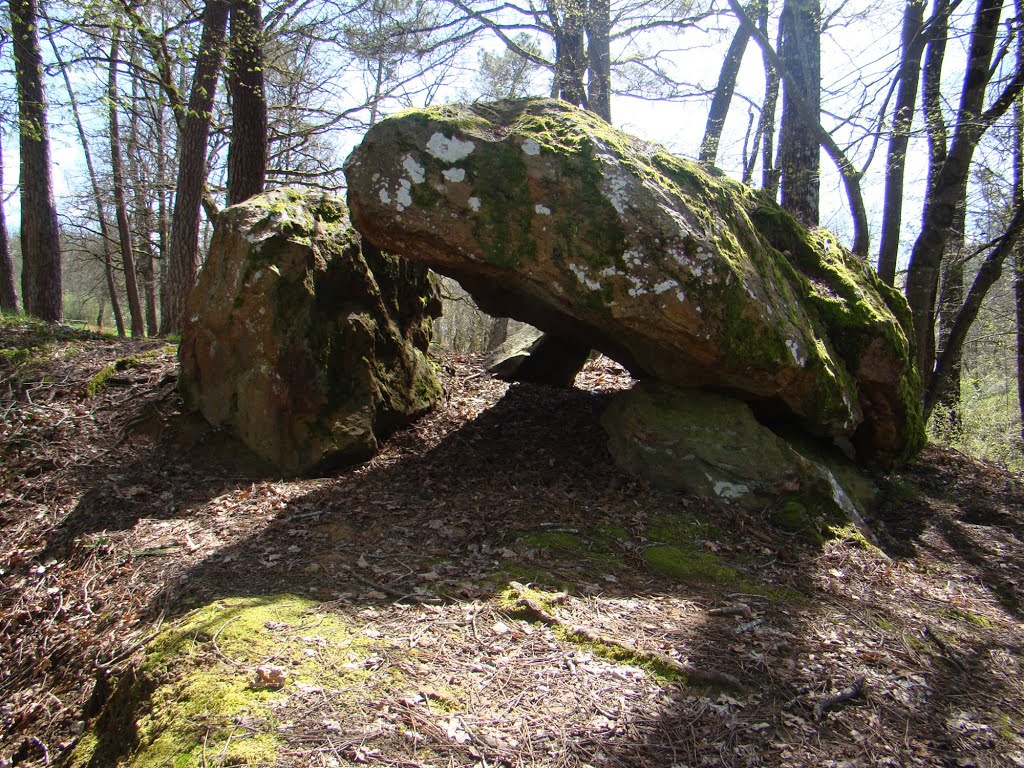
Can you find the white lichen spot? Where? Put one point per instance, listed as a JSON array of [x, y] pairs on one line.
[[194, 318], [615, 190], [582, 276], [450, 150], [474, 203], [725, 490], [531, 147], [454, 175], [633, 258], [404, 199], [543, 210], [384, 196], [794, 350], [665, 285], [375, 178], [416, 172], [682, 297], [608, 272]]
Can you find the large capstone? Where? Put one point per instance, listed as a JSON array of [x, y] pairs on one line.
[[305, 344], [546, 214]]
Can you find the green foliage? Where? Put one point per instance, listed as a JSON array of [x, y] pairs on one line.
[[987, 425]]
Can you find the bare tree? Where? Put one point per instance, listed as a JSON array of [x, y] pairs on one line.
[[948, 187], [722, 98], [183, 256], [124, 232], [899, 139]]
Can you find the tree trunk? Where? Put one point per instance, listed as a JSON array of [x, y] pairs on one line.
[[799, 151], [723, 96], [183, 258], [247, 152], [772, 83], [143, 189], [599, 85], [8, 294], [950, 181], [902, 119], [570, 55], [124, 234], [951, 301], [40, 235]]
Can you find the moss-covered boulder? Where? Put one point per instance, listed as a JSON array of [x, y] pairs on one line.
[[547, 214], [305, 344], [212, 686], [710, 445]]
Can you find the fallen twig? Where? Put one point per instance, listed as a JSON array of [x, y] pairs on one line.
[[827, 702]]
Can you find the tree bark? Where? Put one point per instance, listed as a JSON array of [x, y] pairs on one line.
[[723, 96], [570, 54], [8, 294], [950, 181], [124, 233], [41, 287], [183, 258], [899, 138], [799, 151], [247, 152], [599, 85]]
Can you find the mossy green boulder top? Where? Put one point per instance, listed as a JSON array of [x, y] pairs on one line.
[[306, 345], [547, 214]]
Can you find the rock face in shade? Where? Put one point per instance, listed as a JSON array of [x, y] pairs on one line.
[[546, 214], [530, 355], [712, 446], [305, 344]]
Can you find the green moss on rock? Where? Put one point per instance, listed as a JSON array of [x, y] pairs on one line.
[[195, 700]]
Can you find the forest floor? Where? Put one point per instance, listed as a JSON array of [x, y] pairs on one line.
[[487, 591]]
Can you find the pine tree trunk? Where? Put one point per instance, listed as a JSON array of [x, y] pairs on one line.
[[183, 258], [799, 150], [899, 139], [124, 233], [40, 235], [247, 152], [8, 293]]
